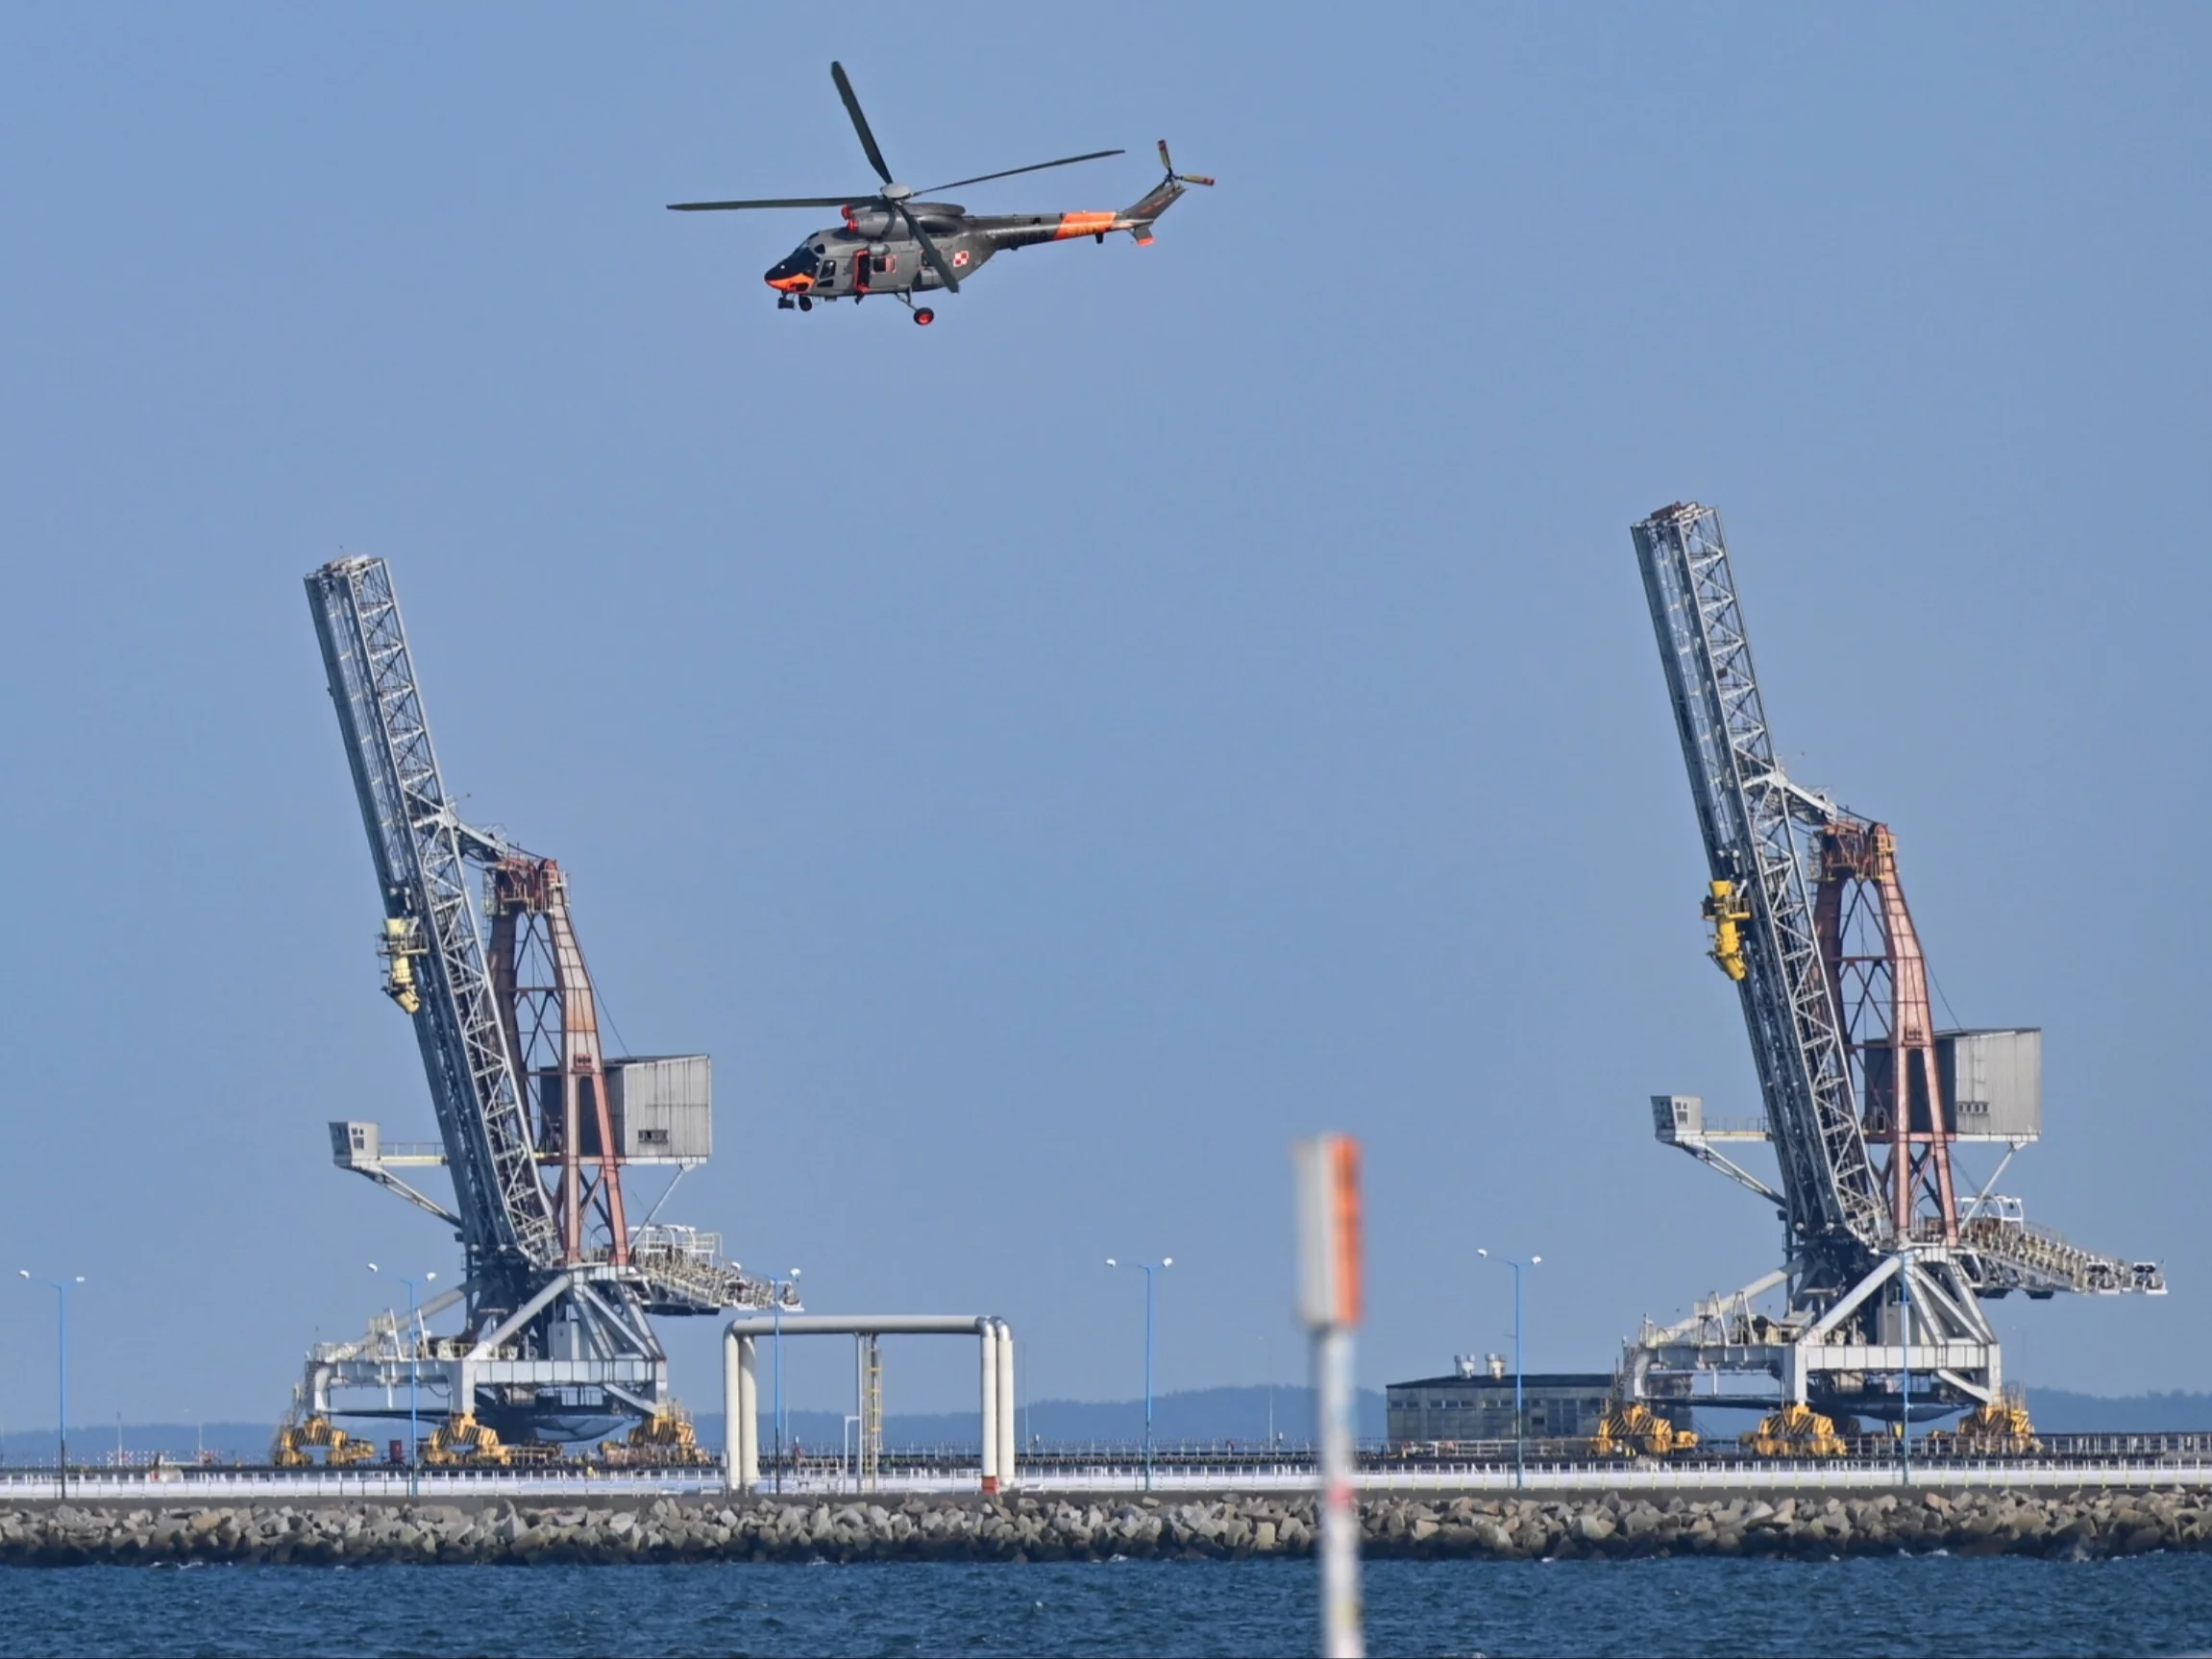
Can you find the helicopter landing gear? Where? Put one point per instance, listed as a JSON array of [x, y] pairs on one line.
[[806, 304], [924, 316]]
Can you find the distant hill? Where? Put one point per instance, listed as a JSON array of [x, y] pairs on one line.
[[93, 1442], [1241, 1414], [2055, 1411], [1198, 1414]]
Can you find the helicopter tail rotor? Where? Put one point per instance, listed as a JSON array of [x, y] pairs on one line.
[[1137, 218], [1167, 161]]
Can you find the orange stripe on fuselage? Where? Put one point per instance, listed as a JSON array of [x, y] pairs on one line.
[[791, 284], [1083, 225]]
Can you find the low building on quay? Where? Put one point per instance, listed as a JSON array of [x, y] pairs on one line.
[[1476, 1402]]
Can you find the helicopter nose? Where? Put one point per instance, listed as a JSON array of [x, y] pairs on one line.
[[794, 283]]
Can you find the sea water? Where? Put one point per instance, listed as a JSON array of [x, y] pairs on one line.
[[1862, 1608]]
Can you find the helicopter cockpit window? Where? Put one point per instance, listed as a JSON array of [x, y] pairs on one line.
[[798, 264]]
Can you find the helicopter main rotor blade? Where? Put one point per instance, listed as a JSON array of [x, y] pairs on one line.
[[1033, 167], [929, 250], [772, 202], [859, 122]]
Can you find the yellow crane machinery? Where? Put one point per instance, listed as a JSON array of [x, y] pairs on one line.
[[1998, 1427], [1635, 1430], [403, 942], [463, 1439], [1796, 1431], [1727, 913], [340, 1449], [664, 1439]]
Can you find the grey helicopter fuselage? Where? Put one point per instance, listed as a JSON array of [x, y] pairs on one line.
[[894, 243], [871, 252]]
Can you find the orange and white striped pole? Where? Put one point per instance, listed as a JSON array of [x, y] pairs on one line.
[[1326, 1172]]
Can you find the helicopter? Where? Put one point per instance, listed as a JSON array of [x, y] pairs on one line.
[[893, 242]]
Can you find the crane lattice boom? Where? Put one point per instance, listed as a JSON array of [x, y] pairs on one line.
[[417, 843], [1760, 835]]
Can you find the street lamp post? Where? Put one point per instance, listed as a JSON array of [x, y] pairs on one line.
[[1270, 1396], [1147, 1269], [1520, 1418], [60, 1289], [414, 1380], [1905, 1425], [775, 1308]]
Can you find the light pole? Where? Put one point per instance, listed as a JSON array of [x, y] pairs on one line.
[[414, 1380], [1147, 1269], [1905, 1426], [60, 1289], [1520, 1419], [1270, 1396], [777, 1346]]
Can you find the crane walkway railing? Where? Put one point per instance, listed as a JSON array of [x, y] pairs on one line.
[[683, 1276], [2040, 1256]]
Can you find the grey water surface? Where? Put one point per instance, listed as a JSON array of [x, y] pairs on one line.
[[1866, 1608]]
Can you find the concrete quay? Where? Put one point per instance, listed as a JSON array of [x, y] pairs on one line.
[[2080, 1525]]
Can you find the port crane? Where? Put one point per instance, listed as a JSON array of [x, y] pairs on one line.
[[535, 1123], [1886, 1266]]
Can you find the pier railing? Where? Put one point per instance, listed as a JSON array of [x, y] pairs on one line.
[[176, 1487]]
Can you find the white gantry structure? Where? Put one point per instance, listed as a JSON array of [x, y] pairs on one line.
[[741, 1401]]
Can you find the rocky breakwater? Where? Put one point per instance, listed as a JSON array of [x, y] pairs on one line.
[[1046, 1528]]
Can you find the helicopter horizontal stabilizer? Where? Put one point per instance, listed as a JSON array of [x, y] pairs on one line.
[[1137, 218]]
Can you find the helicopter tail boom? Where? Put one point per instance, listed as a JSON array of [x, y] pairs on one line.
[[1137, 218]]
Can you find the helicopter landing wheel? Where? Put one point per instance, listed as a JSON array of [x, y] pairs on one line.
[[924, 316], [804, 303]]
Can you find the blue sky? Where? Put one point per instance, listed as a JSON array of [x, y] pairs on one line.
[[1191, 696]]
